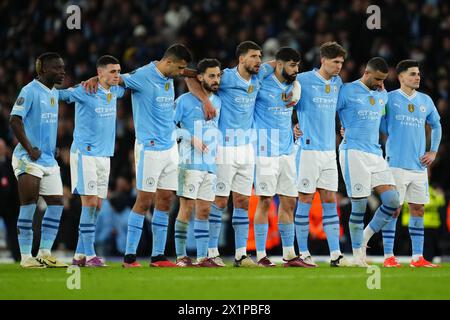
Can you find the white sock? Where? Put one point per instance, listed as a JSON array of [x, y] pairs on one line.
[[44, 252], [79, 256], [387, 256], [289, 253], [357, 252], [304, 254], [260, 254], [416, 257], [368, 233], [240, 252], [25, 256], [335, 254], [213, 252]]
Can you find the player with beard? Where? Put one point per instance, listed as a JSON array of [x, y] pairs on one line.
[[235, 166], [197, 170], [275, 162], [361, 105]]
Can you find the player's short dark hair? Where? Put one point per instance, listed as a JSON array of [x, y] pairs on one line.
[[405, 65], [287, 54], [378, 64], [179, 52], [245, 46], [331, 50], [207, 63], [45, 58], [103, 61]]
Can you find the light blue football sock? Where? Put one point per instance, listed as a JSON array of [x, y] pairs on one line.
[[331, 226], [388, 232], [160, 222], [356, 221], [215, 224], [50, 226], [201, 233], [302, 225], [87, 229], [181, 229], [240, 223], [261, 230], [25, 228], [416, 232], [135, 223]]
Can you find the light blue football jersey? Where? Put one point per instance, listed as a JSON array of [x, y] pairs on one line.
[[95, 119], [37, 105], [152, 97], [360, 110], [316, 111], [273, 120], [189, 113], [404, 123], [238, 103]]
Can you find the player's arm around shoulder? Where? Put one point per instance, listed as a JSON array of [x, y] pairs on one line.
[[195, 88], [73, 94]]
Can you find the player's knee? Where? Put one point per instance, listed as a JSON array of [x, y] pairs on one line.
[[306, 197], [417, 210], [54, 200], [264, 203], [202, 213], [390, 198], [289, 205], [89, 201], [241, 202], [164, 201], [142, 204], [221, 202]]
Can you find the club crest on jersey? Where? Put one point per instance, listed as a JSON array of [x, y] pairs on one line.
[[20, 101], [372, 100], [411, 107], [52, 101], [422, 108], [381, 101], [327, 88], [335, 89], [284, 97], [108, 97], [167, 86], [250, 89]]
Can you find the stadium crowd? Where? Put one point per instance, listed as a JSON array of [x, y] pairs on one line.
[[138, 32]]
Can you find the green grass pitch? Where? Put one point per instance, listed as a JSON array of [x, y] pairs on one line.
[[324, 282]]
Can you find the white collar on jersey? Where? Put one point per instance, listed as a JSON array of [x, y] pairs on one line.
[[406, 96], [104, 89], [364, 86], [240, 77], [281, 85], [43, 86], [159, 72], [318, 75]]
